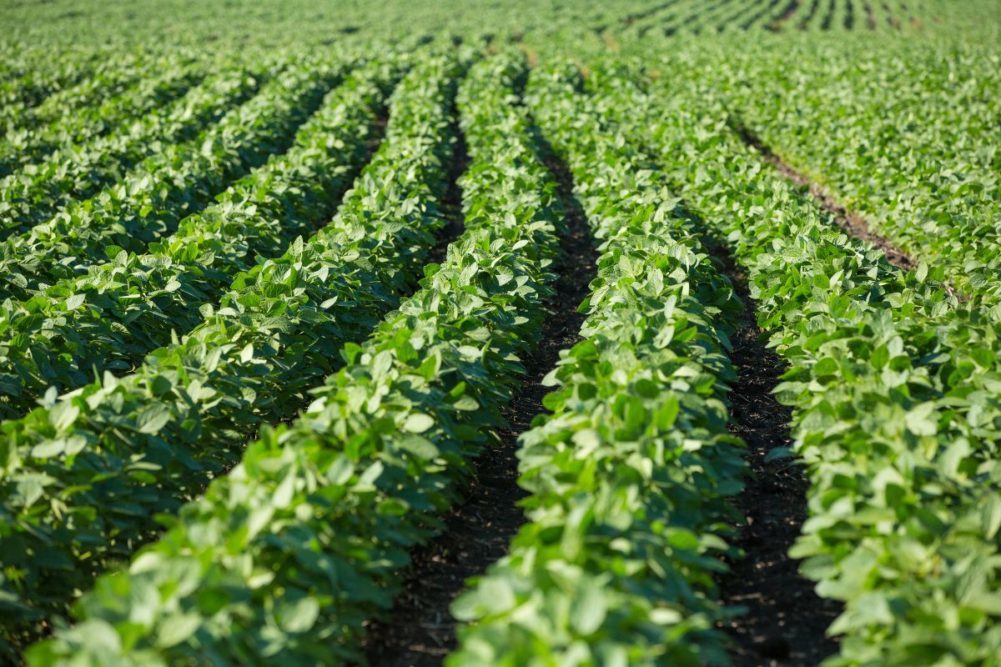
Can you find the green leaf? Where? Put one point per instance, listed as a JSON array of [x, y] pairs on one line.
[[920, 420], [300, 615], [418, 422], [419, 446], [176, 629], [153, 418], [590, 610], [991, 516], [75, 301]]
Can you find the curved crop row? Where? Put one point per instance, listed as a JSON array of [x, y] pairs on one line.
[[924, 169], [111, 317], [33, 194], [30, 78], [150, 201], [82, 477], [158, 83], [630, 473], [895, 390], [286, 557], [737, 18], [687, 14], [59, 86]]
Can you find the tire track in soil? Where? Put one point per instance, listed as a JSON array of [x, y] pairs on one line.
[[785, 620], [852, 223], [420, 630]]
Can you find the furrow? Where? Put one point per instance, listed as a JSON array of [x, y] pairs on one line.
[[630, 474], [184, 417], [345, 491], [420, 630]]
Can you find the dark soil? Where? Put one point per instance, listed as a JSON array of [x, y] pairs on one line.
[[785, 620], [870, 17], [639, 16], [451, 203], [419, 630], [805, 21], [852, 223], [787, 14]]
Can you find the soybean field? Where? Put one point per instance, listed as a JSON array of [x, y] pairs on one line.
[[500, 333]]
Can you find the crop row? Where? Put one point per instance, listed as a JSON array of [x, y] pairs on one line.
[[895, 390], [630, 472], [285, 558], [33, 194], [122, 309], [50, 88], [744, 16], [775, 15], [157, 83], [26, 84], [925, 170], [83, 477], [180, 179]]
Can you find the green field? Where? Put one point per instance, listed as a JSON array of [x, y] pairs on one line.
[[498, 332]]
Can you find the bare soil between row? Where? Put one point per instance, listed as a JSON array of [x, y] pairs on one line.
[[785, 620], [419, 631]]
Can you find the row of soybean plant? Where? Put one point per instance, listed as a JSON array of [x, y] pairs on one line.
[[894, 385], [45, 85], [181, 178], [84, 475], [32, 194], [630, 474], [286, 557], [108, 318], [31, 75], [151, 83]]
